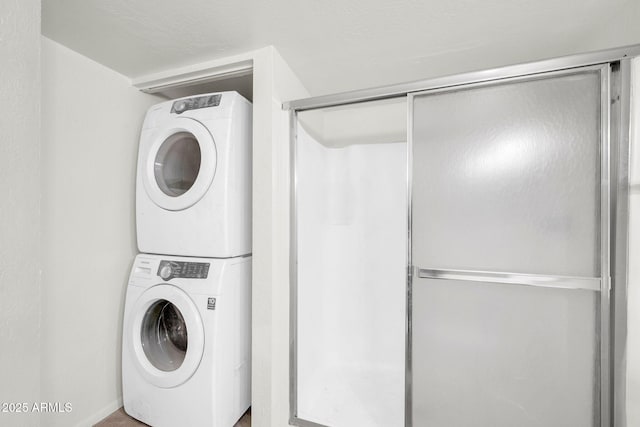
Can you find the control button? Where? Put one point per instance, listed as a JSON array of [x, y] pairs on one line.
[[165, 272], [181, 107]]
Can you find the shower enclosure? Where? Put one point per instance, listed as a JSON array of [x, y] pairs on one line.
[[458, 249]]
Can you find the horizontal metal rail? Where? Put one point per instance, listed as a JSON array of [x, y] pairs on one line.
[[561, 63], [547, 281]]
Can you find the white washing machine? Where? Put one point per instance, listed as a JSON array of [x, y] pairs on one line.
[[193, 187], [187, 341]]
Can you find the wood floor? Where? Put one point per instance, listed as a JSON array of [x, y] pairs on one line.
[[121, 419]]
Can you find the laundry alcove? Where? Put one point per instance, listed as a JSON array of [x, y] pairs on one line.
[[264, 78], [83, 143]]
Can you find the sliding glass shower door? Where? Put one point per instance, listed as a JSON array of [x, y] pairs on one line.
[[509, 252]]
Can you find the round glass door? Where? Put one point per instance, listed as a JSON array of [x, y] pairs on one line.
[[167, 335], [164, 336], [177, 164]]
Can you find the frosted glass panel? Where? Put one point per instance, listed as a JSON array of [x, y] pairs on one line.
[[506, 177], [351, 258], [497, 355]]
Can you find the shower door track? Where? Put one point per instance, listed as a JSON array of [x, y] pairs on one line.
[[605, 56]]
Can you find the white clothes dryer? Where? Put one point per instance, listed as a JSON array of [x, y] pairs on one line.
[[186, 345], [193, 186]]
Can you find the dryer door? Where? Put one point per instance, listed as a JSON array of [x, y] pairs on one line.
[[180, 164], [167, 335]]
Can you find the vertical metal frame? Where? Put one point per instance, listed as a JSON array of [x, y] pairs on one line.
[[614, 211], [408, 369], [293, 271], [615, 116], [620, 160], [605, 252]]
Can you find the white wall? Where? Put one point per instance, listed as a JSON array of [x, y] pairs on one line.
[[633, 315], [274, 82], [91, 117], [20, 258], [286, 86]]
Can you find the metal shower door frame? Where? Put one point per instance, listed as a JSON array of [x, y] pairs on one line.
[[615, 153]]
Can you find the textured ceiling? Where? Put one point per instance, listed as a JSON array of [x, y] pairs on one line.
[[338, 45]]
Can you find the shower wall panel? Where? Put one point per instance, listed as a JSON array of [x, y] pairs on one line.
[[351, 284]]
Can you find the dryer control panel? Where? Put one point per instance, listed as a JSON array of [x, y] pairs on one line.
[[182, 105], [168, 270]]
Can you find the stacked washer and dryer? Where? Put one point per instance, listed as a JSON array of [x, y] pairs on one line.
[[186, 352]]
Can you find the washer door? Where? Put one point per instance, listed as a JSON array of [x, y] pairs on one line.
[[180, 164], [168, 336]]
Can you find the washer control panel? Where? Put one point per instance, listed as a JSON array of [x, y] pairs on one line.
[[186, 104], [168, 270]]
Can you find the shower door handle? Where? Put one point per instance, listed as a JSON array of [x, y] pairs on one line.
[[547, 281]]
